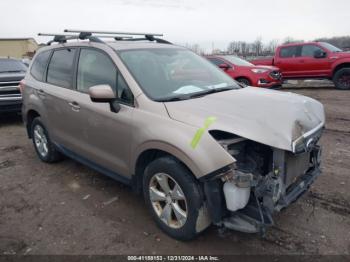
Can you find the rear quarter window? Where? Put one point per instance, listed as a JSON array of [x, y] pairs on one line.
[[39, 65]]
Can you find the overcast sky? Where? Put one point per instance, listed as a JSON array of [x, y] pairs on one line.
[[182, 21]]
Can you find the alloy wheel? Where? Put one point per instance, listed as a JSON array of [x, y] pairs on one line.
[[40, 141], [168, 200]]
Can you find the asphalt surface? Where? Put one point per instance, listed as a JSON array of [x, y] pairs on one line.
[[66, 208]]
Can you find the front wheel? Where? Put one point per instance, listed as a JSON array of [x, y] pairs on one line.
[[173, 196], [341, 79], [244, 81]]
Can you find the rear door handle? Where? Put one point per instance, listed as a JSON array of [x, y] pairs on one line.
[[41, 92], [75, 106]]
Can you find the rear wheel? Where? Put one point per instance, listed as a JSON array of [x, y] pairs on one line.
[[173, 197], [341, 79], [42, 143], [244, 81]]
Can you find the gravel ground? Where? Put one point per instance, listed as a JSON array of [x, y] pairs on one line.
[[66, 208]]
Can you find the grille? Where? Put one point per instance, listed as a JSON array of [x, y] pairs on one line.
[[276, 75], [8, 89], [296, 165]]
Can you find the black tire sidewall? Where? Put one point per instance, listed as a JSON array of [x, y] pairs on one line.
[[190, 188], [337, 75]]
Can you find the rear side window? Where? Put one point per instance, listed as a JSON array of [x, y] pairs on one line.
[[39, 65], [61, 67], [290, 51], [96, 68]]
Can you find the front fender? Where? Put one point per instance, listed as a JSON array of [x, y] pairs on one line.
[[175, 138]]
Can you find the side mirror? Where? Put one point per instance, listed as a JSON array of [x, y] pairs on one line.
[[320, 54], [101, 94], [224, 66], [104, 94]]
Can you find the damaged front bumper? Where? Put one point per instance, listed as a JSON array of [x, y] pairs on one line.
[[290, 177], [298, 188], [255, 217]]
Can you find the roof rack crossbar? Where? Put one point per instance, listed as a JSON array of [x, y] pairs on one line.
[[109, 32], [121, 37], [91, 35], [62, 38]]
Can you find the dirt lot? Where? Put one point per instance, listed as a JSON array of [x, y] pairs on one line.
[[67, 208]]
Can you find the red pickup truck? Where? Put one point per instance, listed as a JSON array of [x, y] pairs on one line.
[[312, 60]]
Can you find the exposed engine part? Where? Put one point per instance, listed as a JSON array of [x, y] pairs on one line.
[[236, 197], [261, 181]]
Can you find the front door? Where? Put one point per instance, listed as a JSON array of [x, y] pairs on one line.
[[104, 135], [311, 66]]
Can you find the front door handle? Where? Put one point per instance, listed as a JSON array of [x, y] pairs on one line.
[[75, 106]]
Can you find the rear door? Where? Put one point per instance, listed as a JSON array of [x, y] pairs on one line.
[[288, 60], [59, 93]]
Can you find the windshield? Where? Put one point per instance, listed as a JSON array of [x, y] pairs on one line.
[[11, 66], [174, 73], [330, 47], [236, 60]]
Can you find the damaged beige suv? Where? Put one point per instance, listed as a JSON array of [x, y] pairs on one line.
[[201, 149]]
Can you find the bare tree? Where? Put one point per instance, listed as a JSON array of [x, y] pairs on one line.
[[270, 48], [258, 46], [289, 40]]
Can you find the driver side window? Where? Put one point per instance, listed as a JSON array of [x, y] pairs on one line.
[[96, 68], [309, 50]]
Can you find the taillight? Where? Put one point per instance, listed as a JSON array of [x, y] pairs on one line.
[[21, 85]]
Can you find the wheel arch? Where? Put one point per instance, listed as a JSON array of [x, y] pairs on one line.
[[148, 154], [244, 77], [30, 116], [340, 66]]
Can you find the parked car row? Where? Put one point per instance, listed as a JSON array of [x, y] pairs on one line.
[[200, 148], [312, 60]]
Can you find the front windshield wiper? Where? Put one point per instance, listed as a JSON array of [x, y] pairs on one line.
[[12, 71], [172, 99], [212, 91], [197, 94]]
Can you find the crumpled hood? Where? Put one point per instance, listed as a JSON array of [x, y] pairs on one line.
[[269, 117]]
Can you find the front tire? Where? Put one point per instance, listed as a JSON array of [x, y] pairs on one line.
[[341, 79], [173, 196], [44, 148], [244, 81]]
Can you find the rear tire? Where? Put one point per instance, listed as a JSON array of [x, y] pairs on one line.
[[244, 81], [173, 197], [341, 79], [44, 148]]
